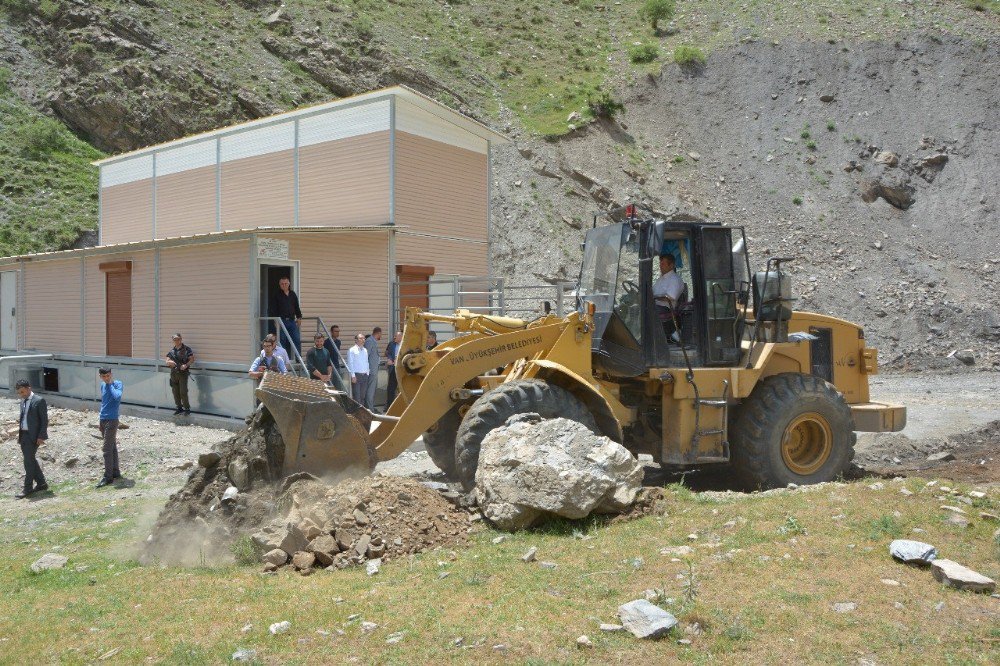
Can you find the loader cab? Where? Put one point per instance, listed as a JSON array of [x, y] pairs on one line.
[[620, 264]]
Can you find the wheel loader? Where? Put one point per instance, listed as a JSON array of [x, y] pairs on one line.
[[729, 374]]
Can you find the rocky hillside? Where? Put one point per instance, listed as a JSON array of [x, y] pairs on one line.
[[858, 135]]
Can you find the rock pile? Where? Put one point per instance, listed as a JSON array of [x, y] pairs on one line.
[[530, 468], [354, 522]]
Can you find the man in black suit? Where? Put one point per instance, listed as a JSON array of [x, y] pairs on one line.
[[33, 431]]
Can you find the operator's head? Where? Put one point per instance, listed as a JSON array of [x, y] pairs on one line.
[[667, 263]]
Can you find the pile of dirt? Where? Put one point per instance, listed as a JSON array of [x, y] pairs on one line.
[[239, 487]]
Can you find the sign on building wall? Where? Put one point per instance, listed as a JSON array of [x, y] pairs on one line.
[[272, 248]]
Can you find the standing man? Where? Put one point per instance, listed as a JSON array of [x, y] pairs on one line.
[[32, 433], [286, 307], [391, 352], [318, 363], [180, 359], [332, 345], [267, 361], [357, 365], [432, 340], [371, 345], [111, 400]]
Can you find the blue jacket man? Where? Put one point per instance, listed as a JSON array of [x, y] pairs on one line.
[[111, 400]]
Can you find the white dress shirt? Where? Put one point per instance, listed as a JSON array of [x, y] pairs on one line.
[[24, 410], [357, 361], [668, 286]]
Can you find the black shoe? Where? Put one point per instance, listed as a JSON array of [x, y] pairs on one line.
[[178, 411], [103, 482], [116, 475], [23, 494], [187, 412], [42, 488]]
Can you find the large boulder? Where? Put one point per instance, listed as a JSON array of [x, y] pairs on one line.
[[532, 468]]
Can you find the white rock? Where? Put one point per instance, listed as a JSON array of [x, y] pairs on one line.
[[845, 607], [530, 555], [904, 491], [372, 567], [977, 494], [279, 627], [584, 642], [645, 620], [49, 561], [677, 551], [890, 582], [244, 655], [612, 627], [909, 551], [395, 638], [230, 494], [556, 466], [368, 627], [960, 577]]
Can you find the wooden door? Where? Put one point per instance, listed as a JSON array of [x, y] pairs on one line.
[[118, 319], [414, 290]]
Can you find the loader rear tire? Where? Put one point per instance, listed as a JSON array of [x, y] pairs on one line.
[[793, 428], [492, 409], [440, 442]]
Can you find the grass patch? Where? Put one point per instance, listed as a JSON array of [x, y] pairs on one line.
[[643, 53], [685, 55], [797, 201]]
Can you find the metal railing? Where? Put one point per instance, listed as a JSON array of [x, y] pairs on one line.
[[306, 334]]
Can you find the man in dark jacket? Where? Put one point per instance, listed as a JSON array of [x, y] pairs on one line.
[[286, 306], [332, 346], [33, 430], [179, 359]]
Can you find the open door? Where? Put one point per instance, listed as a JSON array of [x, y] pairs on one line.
[[270, 275], [8, 310]]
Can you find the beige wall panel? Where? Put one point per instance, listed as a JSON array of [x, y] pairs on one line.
[[94, 302], [259, 191], [127, 212], [52, 312], [143, 305], [205, 295], [345, 182], [343, 279], [440, 189], [445, 255], [185, 203]]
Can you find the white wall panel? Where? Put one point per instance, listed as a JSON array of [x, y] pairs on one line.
[[251, 143], [127, 171], [185, 158], [412, 119], [344, 123]]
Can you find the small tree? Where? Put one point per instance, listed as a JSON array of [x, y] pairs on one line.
[[655, 11]]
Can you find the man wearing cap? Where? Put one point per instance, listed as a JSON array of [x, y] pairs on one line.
[[180, 358], [111, 401], [318, 363]]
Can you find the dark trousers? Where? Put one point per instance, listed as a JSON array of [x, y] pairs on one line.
[[109, 431], [359, 388], [295, 342], [179, 387], [338, 381], [390, 387], [33, 476]]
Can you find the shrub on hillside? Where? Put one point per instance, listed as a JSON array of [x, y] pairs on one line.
[[655, 11], [41, 138], [688, 55], [642, 53], [603, 105]]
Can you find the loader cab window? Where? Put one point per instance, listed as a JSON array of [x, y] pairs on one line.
[[599, 271], [628, 297]]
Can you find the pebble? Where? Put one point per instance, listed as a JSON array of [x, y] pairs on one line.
[[500, 539], [890, 582], [845, 607], [394, 638], [372, 567], [368, 627], [279, 627], [246, 628], [584, 642], [547, 565], [244, 655], [612, 627], [530, 555], [904, 491]]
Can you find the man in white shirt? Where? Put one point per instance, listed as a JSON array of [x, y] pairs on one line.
[[357, 365], [669, 292]]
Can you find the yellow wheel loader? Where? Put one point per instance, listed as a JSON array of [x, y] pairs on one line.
[[725, 372]]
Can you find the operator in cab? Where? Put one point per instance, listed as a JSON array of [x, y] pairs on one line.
[[670, 293]]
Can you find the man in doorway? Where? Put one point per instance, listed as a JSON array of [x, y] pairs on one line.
[[33, 430], [286, 307], [391, 352], [332, 345], [267, 361], [669, 293], [180, 358], [111, 400], [318, 363], [371, 345], [357, 365]]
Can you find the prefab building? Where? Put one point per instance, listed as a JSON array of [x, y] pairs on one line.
[[345, 199]]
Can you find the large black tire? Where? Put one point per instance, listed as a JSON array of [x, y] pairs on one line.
[[440, 442], [793, 428], [493, 408]]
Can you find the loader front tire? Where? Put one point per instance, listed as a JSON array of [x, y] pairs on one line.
[[440, 442], [793, 428], [493, 408]]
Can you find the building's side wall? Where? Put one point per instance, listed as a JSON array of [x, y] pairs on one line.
[[52, 312], [259, 191], [448, 257], [95, 336], [345, 182], [143, 305], [441, 189], [186, 203], [128, 211], [205, 295]]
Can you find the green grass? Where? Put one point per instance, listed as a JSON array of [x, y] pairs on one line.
[[689, 55], [643, 53], [48, 187], [750, 588]]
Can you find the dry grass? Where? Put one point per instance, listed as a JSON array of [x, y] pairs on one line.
[[762, 590]]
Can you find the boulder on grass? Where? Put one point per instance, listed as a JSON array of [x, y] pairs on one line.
[[646, 620], [961, 578]]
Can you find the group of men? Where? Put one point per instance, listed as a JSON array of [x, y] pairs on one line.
[[33, 432]]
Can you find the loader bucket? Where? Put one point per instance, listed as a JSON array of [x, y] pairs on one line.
[[325, 432]]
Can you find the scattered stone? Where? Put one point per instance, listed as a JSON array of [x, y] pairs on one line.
[[890, 582], [71, 462], [372, 567], [941, 456], [395, 638], [303, 560], [583, 642], [499, 540], [887, 158], [957, 520], [324, 547], [906, 492], [644, 620], [677, 551], [826, 97], [244, 655], [574, 117], [977, 494], [845, 607], [276, 557], [279, 627], [912, 552], [695, 156], [991, 517], [612, 627], [684, 641], [530, 555], [368, 627], [208, 460], [953, 509], [966, 356], [49, 561], [547, 565], [557, 466], [230, 494], [960, 577]]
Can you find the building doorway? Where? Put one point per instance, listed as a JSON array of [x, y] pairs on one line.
[[8, 310], [270, 274], [118, 307]]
